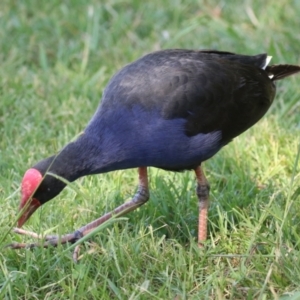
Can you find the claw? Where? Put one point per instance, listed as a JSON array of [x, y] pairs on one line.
[[35, 235], [76, 253], [21, 245]]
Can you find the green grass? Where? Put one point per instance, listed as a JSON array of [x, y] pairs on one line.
[[56, 58]]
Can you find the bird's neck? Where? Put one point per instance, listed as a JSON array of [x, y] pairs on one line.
[[88, 154]]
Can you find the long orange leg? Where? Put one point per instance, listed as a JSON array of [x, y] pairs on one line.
[[140, 198], [203, 196]]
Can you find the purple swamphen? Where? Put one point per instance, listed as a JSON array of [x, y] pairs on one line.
[[171, 109]]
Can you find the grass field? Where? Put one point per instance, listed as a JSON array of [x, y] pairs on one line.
[[56, 58]]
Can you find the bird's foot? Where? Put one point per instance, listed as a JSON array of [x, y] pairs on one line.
[[49, 240]]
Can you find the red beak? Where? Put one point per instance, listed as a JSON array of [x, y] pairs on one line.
[[28, 209]]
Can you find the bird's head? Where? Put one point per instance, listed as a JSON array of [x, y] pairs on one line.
[[37, 189]]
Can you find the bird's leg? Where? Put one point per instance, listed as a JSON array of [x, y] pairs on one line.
[[203, 194], [140, 198]]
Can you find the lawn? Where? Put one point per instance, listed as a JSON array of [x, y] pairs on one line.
[[56, 58]]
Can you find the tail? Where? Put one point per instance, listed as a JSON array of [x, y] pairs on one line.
[[277, 72]]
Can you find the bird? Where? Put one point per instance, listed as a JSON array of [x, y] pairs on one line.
[[170, 109]]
